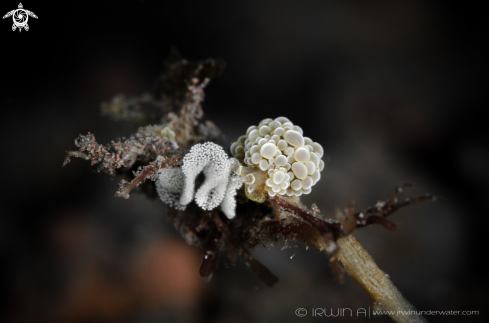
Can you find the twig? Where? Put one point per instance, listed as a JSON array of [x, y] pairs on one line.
[[362, 267], [147, 172]]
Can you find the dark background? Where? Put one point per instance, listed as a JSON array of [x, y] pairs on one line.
[[394, 91]]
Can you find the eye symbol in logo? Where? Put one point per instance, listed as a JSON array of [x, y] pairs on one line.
[[20, 17]]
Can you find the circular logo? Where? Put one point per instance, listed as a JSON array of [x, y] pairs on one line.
[[301, 312], [20, 17]]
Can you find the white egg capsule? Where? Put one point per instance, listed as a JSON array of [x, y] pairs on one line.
[[281, 161], [256, 158], [266, 121], [294, 138], [315, 159], [239, 150], [278, 177], [250, 129], [321, 165], [300, 170], [264, 130], [311, 168], [291, 159], [315, 177], [274, 125], [318, 149], [298, 129], [288, 125], [296, 185], [279, 131], [276, 138], [289, 151], [282, 119], [307, 182], [291, 176], [263, 165], [282, 144], [253, 135], [302, 155], [268, 150], [254, 149], [262, 141]]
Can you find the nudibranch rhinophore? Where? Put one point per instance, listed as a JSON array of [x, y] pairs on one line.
[[279, 159]]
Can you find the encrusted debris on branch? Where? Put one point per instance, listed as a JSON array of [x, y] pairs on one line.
[[274, 161], [143, 146], [148, 172]]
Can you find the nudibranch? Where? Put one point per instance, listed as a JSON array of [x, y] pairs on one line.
[[277, 159]]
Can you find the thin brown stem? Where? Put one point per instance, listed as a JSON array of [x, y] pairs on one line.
[[148, 171], [362, 267]]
